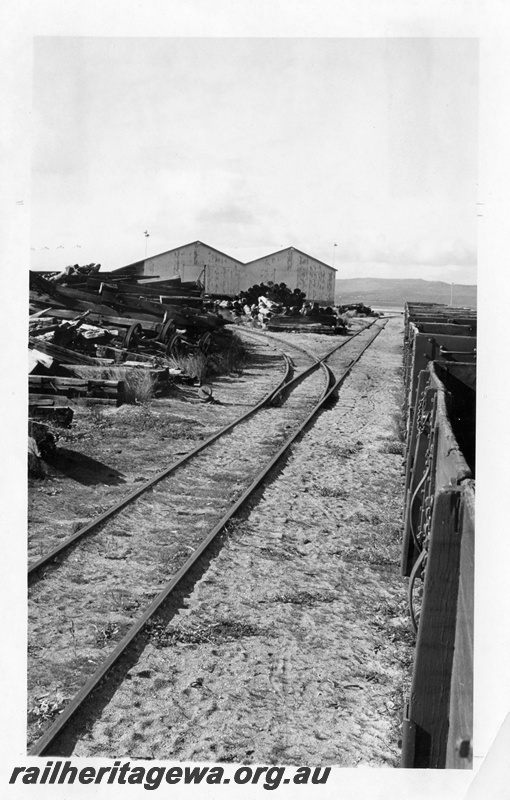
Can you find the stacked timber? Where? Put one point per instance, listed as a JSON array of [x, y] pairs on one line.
[[324, 323], [102, 339], [85, 318]]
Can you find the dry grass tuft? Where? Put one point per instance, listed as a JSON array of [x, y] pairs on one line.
[[139, 386], [231, 356], [194, 365]]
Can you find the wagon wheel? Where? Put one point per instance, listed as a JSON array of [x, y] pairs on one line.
[[132, 336], [173, 344], [167, 330], [205, 342]]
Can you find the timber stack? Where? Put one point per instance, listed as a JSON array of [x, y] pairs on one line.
[[89, 330]]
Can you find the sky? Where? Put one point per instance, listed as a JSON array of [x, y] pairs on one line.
[[360, 152]]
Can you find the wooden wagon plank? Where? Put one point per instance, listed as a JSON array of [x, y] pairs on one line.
[[432, 673]]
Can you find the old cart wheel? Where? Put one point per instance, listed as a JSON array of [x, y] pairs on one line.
[[167, 331], [132, 336], [173, 344], [205, 342]]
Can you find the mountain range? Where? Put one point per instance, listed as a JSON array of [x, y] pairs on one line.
[[394, 292]]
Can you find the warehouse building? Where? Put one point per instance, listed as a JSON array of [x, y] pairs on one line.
[[216, 271], [220, 274], [297, 270]]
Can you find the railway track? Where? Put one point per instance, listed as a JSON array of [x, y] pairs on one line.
[[309, 362], [190, 495]]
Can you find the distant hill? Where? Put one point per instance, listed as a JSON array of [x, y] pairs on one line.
[[394, 293]]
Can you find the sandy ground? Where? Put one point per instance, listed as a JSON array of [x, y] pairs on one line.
[[293, 645]]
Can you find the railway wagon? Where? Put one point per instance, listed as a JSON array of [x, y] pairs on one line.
[[438, 535], [430, 335]]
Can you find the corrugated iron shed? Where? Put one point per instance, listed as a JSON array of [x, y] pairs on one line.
[[220, 274], [297, 270]]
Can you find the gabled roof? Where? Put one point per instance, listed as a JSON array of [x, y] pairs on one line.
[[261, 258], [140, 263], [173, 250]]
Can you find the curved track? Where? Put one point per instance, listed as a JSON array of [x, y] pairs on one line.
[[35, 568], [185, 495]]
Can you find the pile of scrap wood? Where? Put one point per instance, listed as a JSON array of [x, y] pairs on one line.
[[324, 323], [89, 328], [360, 309]]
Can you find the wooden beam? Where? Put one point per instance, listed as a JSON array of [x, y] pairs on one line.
[[56, 384], [45, 400], [61, 353], [108, 319]]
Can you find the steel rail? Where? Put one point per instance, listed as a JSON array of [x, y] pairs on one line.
[[264, 335], [320, 361], [285, 384], [41, 746], [110, 512]]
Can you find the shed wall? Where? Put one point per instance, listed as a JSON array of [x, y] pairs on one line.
[[221, 274], [295, 269]]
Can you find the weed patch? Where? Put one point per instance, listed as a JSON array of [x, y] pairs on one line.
[[45, 708], [214, 633], [331, 491], [104, 635], [142, 417], [99, 418], [304, 598], [340, 451], [229, 356], [392, 448]]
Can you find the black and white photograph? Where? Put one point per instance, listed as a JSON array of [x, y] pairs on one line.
[[254, 258]]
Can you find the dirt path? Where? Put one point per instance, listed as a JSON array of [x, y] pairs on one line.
[[293, 647]]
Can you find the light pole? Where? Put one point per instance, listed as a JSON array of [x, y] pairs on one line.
[[146, 234], [334, 251]]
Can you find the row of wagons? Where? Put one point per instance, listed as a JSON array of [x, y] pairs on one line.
[[438, 537]]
